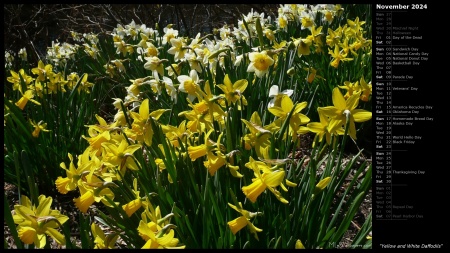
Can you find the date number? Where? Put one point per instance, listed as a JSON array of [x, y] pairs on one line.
[[418, 6]]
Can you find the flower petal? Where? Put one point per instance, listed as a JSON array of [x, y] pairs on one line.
[[360, 115], [338, 99]]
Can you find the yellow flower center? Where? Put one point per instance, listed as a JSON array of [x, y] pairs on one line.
[[201, 107], [261, 63], [190, 87]]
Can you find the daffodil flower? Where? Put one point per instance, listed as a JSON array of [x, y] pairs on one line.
[[320, 186], [268, 179], [244, 220], [312, 74], [276, 95], [27, 96], [202, 149], [154, 235], [299, 244], [42, 70], [303, 46], [69, 183], [340, 108], [321, 129], [178, 48], [40, 126], [16, 79], [338, 56], [98, 133], [189, 84], [119, 155], [169, 33], [203, 114], [93, 190], [155, 65], [259, 63], [174, 134], [334, 36], [141, 128], [34, 223], [354, 27], [132, 206], [296, 120], [101, 240], [215, 162], [352, 88], [259, 137], [170, 89], [85, 85], [366, 89], [233, 92]]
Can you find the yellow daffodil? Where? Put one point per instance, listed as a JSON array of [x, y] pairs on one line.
[[120, 154], [123, 47], [312, 75], [141, 128], [341, 107], [93, 190], [244, 220], [307, 20], [72, 80], [338, 56], [16, 79], [27, 96], [134, 204], [101, 240], [366, 89], [85, 85], [316, 37], [174, 134], [268, 179], [34, 223], [40, 126], [212, 101], [216, 159], [174, 70], [98, 133], [202, 149], [352, 88], [69, 183], [157, 232], [233, 92], [42, 70], [259, 137], [303, 46], [320, 186], [85, 200], [299, 244], [354, 27], [321, 129], [215, 162], [296, 120], [334, 36], [204, 113]]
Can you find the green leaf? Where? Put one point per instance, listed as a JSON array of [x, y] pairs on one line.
[[10, 222]]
